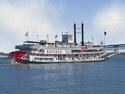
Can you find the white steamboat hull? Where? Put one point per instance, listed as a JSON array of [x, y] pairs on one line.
[[26, 61]]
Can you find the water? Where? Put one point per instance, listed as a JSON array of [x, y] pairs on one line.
[[82, 78]]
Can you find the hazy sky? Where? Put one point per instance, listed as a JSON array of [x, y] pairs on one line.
[[53, 17]]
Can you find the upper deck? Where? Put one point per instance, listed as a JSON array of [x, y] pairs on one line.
[[59, 48]]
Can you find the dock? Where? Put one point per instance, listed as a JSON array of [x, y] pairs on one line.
[[115, 49]]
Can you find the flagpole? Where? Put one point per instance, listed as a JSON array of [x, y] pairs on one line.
[[92, 40], [27, 39], [56, 37], [105, 37], [37, 37], [47, 37], [27, 35]]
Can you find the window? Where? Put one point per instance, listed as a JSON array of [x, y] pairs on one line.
[[76, 51]]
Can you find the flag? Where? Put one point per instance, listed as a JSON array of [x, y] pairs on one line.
[[105, 33], [56, 36], [26, 34]]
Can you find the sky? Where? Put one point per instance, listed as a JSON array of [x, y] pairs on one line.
[[52, 17]]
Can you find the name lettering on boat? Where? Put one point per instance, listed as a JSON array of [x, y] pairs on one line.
[[49, 51]]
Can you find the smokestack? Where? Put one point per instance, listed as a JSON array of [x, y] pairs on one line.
[[74, 32], [82, 28]]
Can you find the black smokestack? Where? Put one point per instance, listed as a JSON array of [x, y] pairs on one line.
[[82, 28], [74, 32]]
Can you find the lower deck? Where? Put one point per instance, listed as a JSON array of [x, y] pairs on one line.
[[66, 58]]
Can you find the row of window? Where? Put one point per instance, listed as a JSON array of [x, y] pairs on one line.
[[36, 58], [78, 51]]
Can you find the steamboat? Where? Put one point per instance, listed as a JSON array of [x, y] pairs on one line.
[[59, 51]]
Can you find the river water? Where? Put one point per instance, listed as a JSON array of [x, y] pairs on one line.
[[73, 78]]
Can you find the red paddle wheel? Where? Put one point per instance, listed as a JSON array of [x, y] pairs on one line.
[[17, 55]]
